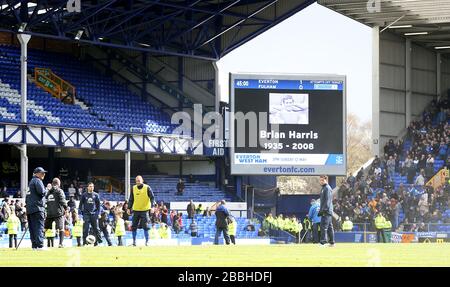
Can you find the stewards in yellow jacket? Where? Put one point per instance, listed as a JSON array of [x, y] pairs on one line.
[[347, 225], [12, 224], [380, 223], [232, 227]]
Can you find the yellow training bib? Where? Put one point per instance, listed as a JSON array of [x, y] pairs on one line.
[[141, 198]]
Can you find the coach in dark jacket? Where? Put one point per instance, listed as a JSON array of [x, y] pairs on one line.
[[56, 208], [35, 208], [326, 212], [221, 223]]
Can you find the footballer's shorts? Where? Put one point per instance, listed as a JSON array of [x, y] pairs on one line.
[[140, 220], [59, 221]]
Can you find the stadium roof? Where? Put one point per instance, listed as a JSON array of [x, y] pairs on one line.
[[427, 20], [206, 29]]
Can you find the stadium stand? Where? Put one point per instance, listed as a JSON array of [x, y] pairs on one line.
[[164, 188], [100, 104], [410, 206]]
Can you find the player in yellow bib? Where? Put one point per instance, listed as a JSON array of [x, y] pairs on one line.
[[140, 202]]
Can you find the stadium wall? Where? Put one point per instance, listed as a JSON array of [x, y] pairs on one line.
[[410, 76], [297, 205], [102, 56], [264, 192], [117, 167], [108, 163], [197, 76], [260, 182], [445, 72]]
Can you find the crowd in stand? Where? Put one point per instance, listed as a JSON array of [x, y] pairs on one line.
[[6, 207], [362, 196]]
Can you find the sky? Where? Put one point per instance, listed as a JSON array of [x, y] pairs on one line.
[[315, 40]]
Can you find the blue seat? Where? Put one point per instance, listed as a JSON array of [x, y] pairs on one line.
[[115, 109]]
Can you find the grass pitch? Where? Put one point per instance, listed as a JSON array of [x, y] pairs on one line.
[[344, 254]]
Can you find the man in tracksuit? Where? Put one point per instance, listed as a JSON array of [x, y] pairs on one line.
[[315, 219], [56, 208], [141, 201], [35, 208], [326, 212], [90, 209]]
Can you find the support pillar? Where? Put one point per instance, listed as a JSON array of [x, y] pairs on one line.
[[127, 174], [216, 87], [438, 76], [253, 203], [408, 79], [238, 186], [23, 39], [376, 90]]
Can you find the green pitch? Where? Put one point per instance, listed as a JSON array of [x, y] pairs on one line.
[[348, 254]]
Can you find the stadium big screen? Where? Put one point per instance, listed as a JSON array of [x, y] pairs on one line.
[[287, 124]]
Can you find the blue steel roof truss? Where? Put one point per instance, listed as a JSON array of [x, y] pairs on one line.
[[11, 133], [191, 28]]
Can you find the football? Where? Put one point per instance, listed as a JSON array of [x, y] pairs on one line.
[[90, 239]]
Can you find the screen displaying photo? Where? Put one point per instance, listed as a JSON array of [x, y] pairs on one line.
[[289, 108]]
